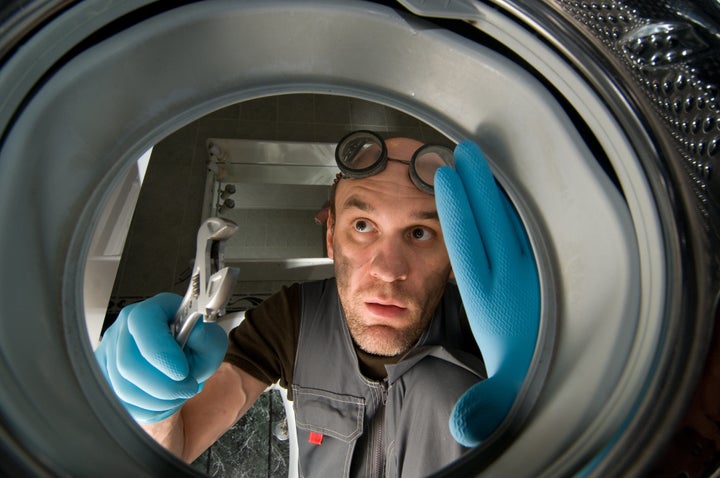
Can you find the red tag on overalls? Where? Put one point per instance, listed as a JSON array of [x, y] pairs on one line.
[[315, 438]]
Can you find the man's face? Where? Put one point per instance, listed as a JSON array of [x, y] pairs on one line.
[[391, 264]]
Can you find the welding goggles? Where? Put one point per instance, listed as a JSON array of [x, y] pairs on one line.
[[361, 154]]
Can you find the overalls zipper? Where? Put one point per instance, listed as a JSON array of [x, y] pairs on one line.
[[378, 434]]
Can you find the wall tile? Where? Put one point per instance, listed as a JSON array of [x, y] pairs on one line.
[[296, 109], [261, 109]]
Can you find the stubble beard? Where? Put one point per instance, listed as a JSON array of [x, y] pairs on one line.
[[384, 340]]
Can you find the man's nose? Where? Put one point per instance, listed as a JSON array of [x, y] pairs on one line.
[[390, 262]]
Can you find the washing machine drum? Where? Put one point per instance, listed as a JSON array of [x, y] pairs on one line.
[[599, 120]]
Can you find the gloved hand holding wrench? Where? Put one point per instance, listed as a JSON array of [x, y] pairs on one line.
[[158, 353]]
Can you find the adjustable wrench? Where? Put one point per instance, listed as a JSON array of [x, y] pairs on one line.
[[211, 282]]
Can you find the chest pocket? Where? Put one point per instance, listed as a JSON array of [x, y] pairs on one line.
[[328, 426]]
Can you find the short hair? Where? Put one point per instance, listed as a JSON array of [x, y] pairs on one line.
[[328, 209]]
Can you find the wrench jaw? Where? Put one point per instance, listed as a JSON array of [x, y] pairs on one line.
[[211, 283], [210, 251]]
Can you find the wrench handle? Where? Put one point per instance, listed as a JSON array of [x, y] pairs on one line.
[[183, 323]]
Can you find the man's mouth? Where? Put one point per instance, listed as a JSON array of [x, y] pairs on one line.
[[386, 310]]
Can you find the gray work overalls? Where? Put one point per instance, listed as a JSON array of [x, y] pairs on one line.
[[349, 425]]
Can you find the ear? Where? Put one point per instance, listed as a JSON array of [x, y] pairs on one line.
[[329, 236]]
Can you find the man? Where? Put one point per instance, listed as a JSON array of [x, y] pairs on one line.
[[374, 359]]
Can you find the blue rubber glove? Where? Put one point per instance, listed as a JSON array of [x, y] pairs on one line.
[[497, 276], [149, 372]]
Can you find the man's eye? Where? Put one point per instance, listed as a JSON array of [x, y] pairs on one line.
[[362, 225], [421, 234]]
